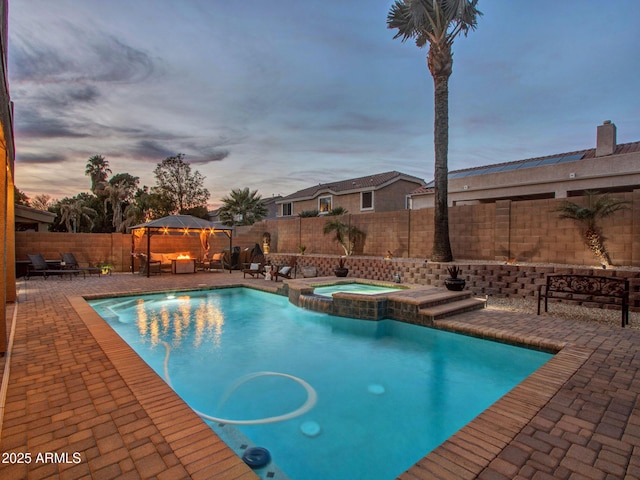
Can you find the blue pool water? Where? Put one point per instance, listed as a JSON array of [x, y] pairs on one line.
[[360, 288], [360, 399]]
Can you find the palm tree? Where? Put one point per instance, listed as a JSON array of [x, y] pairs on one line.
[[338, 211], [97, 168], [117, 194], [345, 235], [242, 207], [598, 207], [438, 23], [73, 211]]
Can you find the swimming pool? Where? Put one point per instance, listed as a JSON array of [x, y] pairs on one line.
[[359, 288], [381, 394]]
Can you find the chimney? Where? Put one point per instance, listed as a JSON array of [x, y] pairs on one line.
[[606, 139]]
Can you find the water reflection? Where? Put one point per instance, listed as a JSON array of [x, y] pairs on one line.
[[181, 319]]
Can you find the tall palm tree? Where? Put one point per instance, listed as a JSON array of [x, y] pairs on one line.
[[117, 194], [73, 211], [242, 207], [97, 169], [597, 208], [438, 23]]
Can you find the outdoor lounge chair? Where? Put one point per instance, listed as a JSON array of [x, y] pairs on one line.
[[255, 268], [286, 271], [39, 266], [70, 262], [218, 261]]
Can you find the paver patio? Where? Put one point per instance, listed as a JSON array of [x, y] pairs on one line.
[[83, 405]]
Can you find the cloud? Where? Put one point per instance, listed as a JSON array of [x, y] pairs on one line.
[[208, 156], [152, 150], [85, 56], [32, 124], [40, 158]]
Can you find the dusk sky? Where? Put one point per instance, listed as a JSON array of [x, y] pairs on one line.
[[278, 95]]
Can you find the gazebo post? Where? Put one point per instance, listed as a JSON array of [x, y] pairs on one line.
[[133, 251], [148, 253], [230, 234]]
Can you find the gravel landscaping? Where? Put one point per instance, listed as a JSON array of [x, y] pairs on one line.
[[604, 316]]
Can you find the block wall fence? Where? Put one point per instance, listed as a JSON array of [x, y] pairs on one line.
[[506, 231], [527, 231]]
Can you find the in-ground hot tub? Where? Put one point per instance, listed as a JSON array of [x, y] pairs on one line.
[[355, 298], [354, 288]]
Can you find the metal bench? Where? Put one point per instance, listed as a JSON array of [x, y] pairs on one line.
[[587, 289]]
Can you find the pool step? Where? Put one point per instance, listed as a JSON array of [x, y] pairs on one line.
[[456, 305]]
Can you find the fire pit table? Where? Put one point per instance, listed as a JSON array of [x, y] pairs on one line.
[[183, 265]]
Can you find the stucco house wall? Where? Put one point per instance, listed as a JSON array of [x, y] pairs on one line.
[[608, 167]]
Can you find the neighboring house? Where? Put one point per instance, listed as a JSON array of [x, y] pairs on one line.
[[272, 206], [381, 192], [607, 168], [214, 215], [29, 219]]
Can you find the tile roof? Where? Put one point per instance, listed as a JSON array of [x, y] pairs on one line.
[[352, 184]]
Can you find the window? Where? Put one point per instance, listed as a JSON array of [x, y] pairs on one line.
[[324, 205], [408, 203], [366, 201], [287, 209]]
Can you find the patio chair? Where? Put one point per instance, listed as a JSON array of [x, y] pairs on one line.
[[287, 270], [218, 261], [70, 262], [155, 266], [39, 266], [255, 268]]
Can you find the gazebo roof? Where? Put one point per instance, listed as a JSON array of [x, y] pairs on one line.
[[183, 223]]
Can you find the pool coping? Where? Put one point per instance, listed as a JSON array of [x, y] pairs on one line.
[[202, 452], [464, 455]]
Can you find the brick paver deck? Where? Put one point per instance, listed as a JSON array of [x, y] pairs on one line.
[[83, 405]]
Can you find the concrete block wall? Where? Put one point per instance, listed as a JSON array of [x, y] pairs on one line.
[[472, 231], [420, 234], [527, 231], [89, 249]]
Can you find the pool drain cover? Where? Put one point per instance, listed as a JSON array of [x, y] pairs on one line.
[[310, 428], [376, 389]]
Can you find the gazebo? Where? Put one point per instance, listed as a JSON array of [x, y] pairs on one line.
[[177, 225]]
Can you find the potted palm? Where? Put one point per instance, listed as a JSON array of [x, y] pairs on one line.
[[453, 282], [341, 270]]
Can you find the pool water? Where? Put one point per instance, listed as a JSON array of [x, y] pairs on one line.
[[360, 288], [360, 399]]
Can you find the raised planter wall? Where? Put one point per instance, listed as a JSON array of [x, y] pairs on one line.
[[490, 278]]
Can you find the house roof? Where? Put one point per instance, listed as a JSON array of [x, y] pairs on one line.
[[369, 182], [530, 163]]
